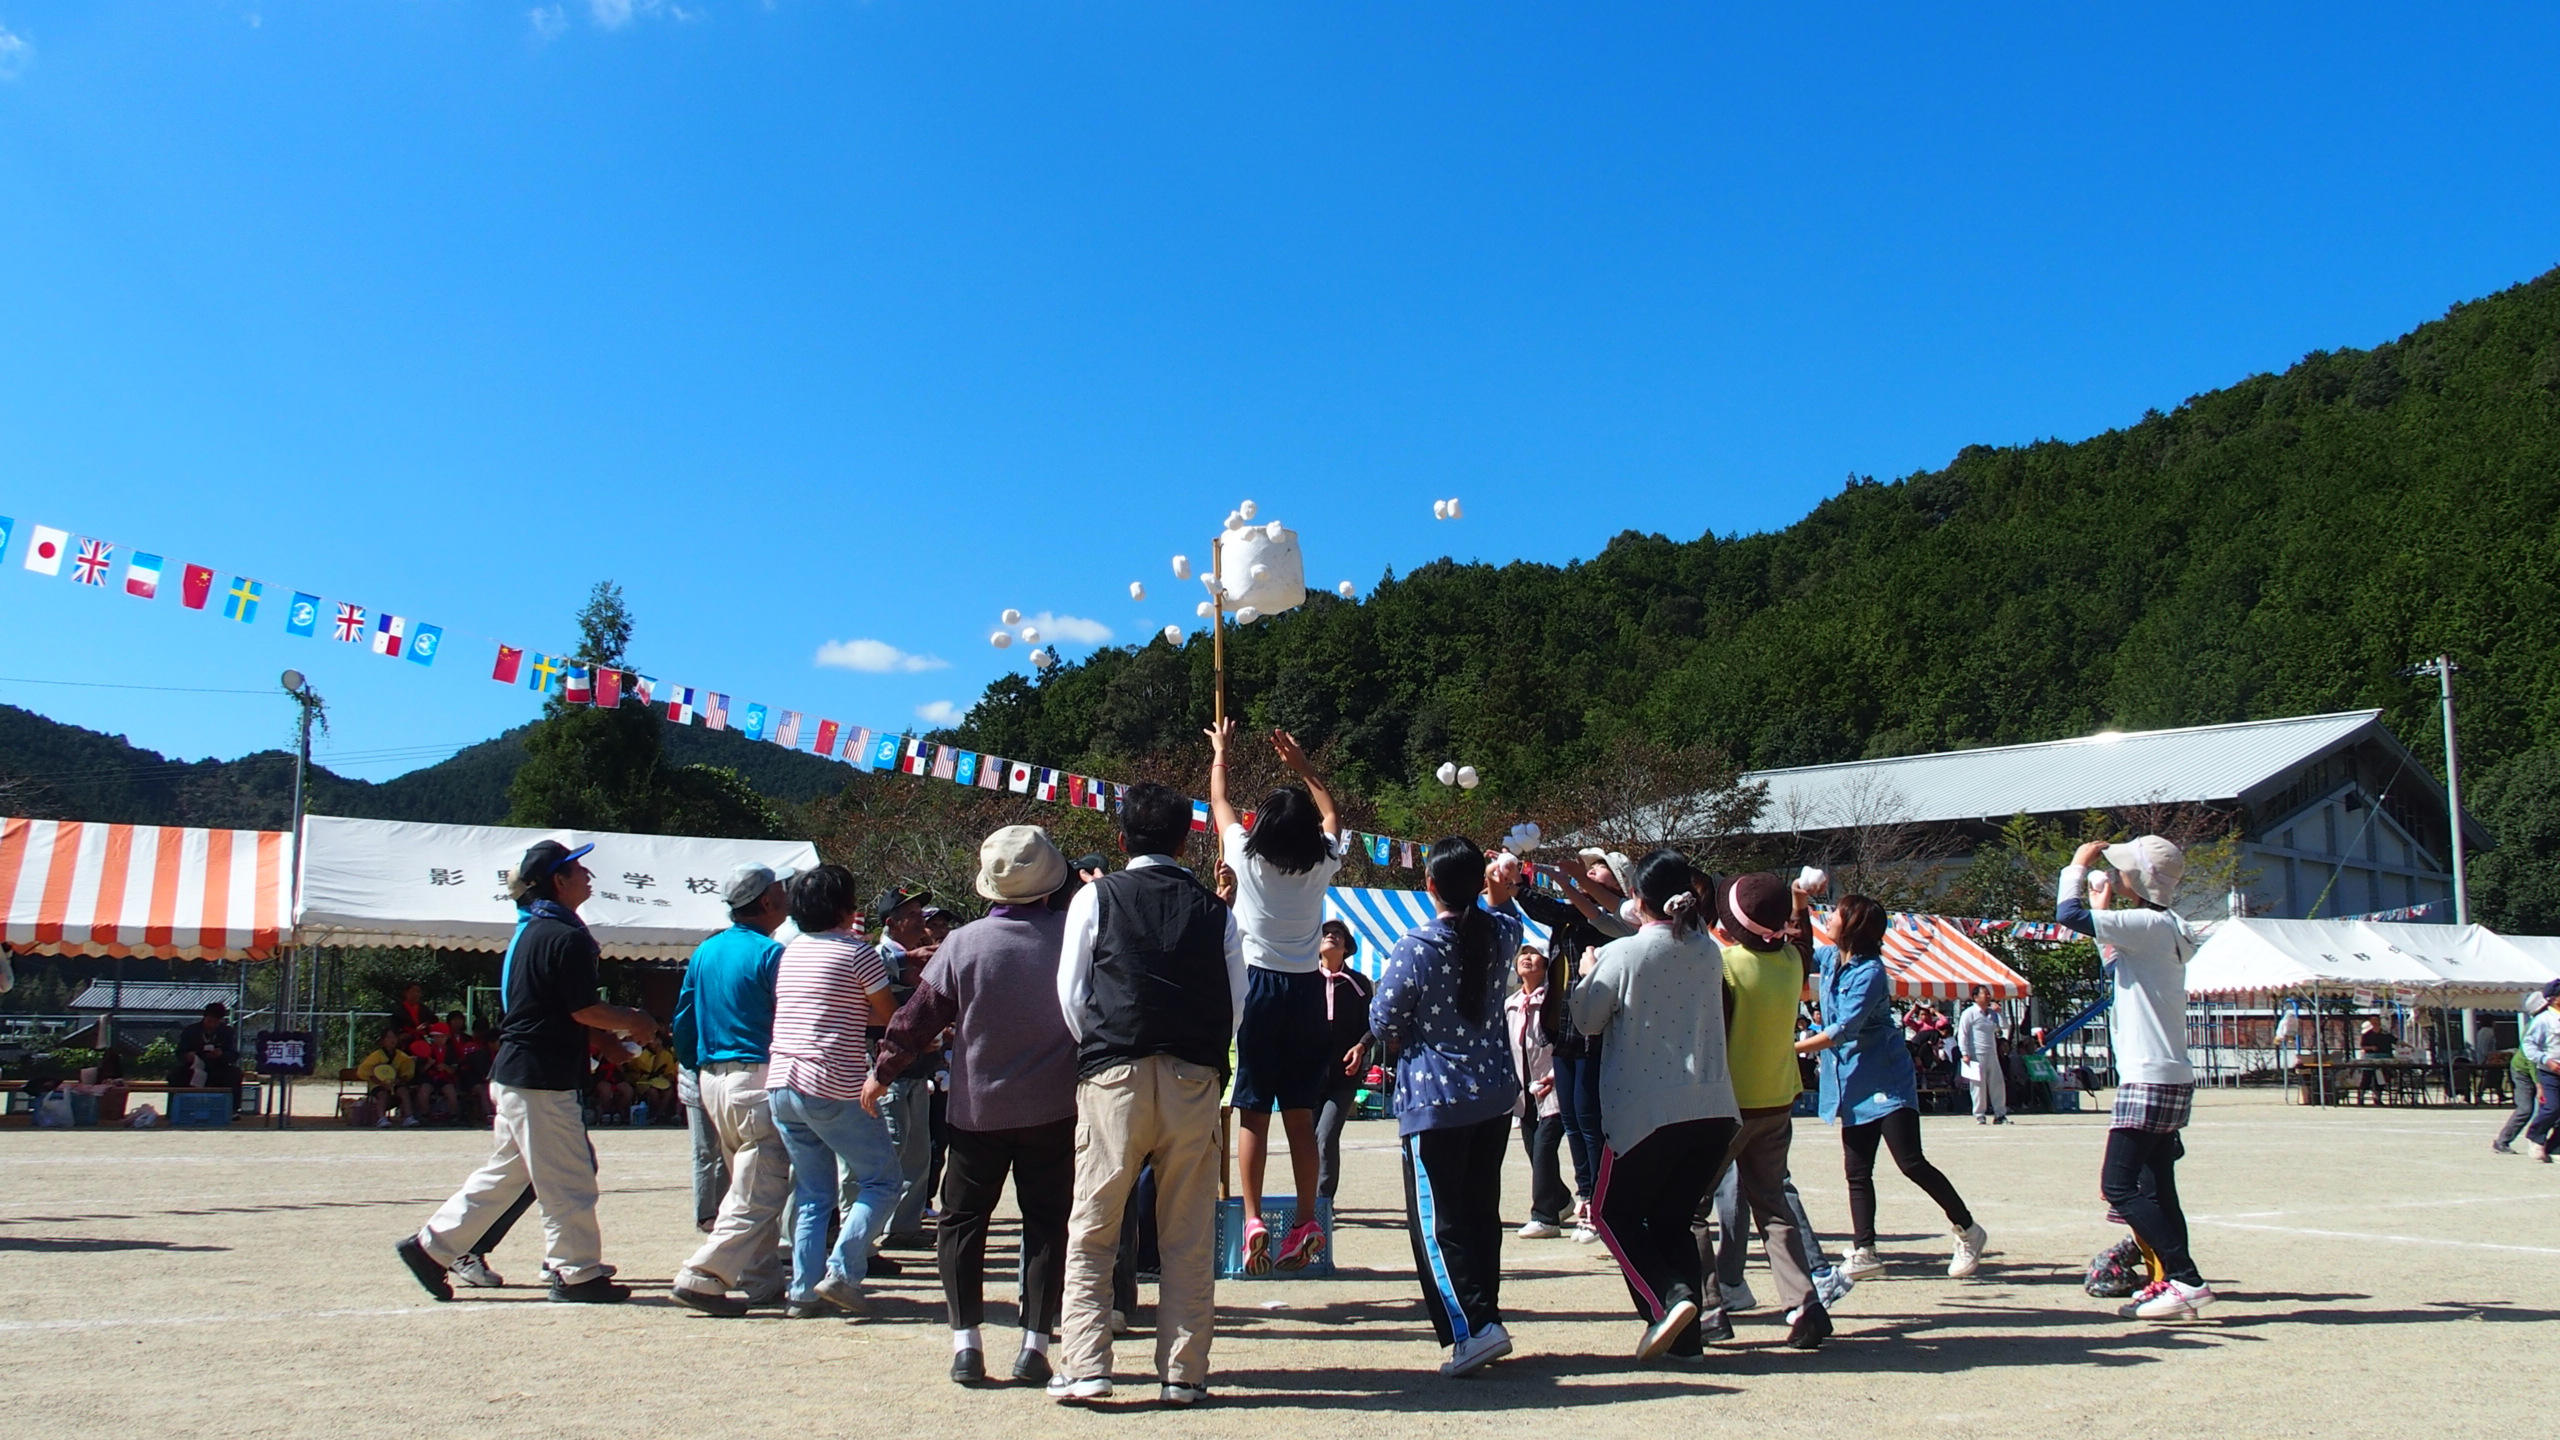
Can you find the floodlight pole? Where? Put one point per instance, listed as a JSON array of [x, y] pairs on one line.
[[2442, 667], [288, 996]]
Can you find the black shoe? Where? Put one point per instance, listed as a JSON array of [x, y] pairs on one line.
[[599, 1291], [881, 1267], [909, 1240], [810, 1310], [1810, 1328], [1715, 1328], [424, 1266], [968, 1367], [1030, 1368]]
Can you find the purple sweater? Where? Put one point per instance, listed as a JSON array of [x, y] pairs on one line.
[[995, 983]]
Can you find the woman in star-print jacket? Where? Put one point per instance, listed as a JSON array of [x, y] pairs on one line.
[[1439, 1011]]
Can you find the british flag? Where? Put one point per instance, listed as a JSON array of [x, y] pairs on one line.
[[350, 623], [96, 558]]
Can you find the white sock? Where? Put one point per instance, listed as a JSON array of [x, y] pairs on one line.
[[1034, 1342], [966, 1340]]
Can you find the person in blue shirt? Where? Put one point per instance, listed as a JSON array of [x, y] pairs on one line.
[[1439, 1007], [1871, 1091], [724, 1032]]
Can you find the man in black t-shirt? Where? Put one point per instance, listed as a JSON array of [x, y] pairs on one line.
[[548, 984]]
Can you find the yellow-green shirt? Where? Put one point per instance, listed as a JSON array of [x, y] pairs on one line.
[[1762, 1052]]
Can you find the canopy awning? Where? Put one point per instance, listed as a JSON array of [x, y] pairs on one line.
[[397, 882], [2444, 963], [74, 887], [1379, 918], [1931, 958]]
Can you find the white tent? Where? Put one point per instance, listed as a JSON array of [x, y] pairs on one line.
[[2279, 957], [2526, 962], [392, 882]]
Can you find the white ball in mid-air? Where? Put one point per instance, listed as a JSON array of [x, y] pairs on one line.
[[1347, 589], [1137, 589], [1181, 567], [1246, 509], [1011, 617], [1439, 509], [1043, 659], [1002, 639], [1467, 777], [1031, 633], [1173, 635], [1447, 774], [1247, 615], [1454, 512], [1235, 520]]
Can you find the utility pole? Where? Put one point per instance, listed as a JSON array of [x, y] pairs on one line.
[[289, 995], [2442, 667]]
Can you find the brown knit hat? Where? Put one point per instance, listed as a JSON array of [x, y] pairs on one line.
[[1754, 909]]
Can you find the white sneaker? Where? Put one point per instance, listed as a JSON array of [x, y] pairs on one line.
[[1173, 1394], [1658, 1336], [1862, 1262], [1968, 1257], [473, 1271], [1538, 1230], [1069, 1392], [1738, 1297], [1583, 1234], [1831, 1287], [2173, 1300], [1477, 1351]]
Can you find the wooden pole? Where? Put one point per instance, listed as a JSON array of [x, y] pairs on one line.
[[1217, 632]]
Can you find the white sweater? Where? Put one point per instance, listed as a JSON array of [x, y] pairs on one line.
[[2148, 952]]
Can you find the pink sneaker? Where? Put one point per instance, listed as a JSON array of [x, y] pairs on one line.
[[1304, 1247], [1257, 1247]]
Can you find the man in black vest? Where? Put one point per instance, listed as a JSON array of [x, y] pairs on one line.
[[1152, 985]]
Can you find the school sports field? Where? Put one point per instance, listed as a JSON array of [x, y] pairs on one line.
[[2382, 1271]]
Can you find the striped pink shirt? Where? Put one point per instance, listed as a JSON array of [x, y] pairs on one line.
[[822, 1014]]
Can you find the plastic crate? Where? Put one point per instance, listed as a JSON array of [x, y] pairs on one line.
[[199, 1107], [1280, 1216], [2066, 1102]]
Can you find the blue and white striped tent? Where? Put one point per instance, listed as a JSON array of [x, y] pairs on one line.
[[1381, 917]]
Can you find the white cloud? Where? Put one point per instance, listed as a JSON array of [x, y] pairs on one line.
[[15, 54], [614, 14], [611, 14], [940, 712], [1070, 627], [549, 22], [875, 657]]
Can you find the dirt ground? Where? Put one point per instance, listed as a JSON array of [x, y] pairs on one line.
[[2378, 1266]]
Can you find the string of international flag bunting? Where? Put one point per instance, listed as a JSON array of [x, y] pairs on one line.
[[91, 561]]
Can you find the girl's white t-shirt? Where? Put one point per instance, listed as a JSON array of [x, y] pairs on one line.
[[1281, 916]]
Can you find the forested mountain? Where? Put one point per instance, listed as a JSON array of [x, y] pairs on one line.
[[2283, 546], [49, 770]]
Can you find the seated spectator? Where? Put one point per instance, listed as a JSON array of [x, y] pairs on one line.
[[609, 1091], [208, 1054], [475, 1054], [2375, 1043], [411, 1017], [652, 1074], [390, 1075], [438, 1072]]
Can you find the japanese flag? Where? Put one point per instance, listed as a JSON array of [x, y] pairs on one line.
[[44, 552]]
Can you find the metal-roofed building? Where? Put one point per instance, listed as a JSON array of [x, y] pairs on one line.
[[2330, 803]]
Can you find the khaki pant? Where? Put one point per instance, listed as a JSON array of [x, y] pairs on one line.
[[1759, 1156], [1163, 1111], [744, 1251], [541, 1141]]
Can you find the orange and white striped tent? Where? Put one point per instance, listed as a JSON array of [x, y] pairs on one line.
[[1931, 958], [71, 887]]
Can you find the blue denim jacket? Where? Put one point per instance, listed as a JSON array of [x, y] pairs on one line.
[[1866, 1074], [1450, 1071]]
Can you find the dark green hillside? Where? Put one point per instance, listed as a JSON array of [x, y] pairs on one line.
[[2281, 546]]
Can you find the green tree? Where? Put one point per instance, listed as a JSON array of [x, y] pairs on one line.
[[590, 767], [2516, 887]]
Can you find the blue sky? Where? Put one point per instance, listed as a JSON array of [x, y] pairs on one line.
[[816, 323]]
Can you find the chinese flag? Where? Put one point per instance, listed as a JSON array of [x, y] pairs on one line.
[[197, 587], [609, 689], [826, 737], [510, 664]]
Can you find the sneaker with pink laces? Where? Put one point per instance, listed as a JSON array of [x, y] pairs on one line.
[[2132, 1309], [1304, 1245], [2175, 1300], [1257, 1246]]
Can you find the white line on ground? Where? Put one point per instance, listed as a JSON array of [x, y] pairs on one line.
[[2365, 1235]]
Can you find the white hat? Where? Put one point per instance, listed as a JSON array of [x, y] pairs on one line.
[[2151, 867]]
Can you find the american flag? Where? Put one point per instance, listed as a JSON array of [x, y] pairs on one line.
[[350, 623], [96, 558]]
